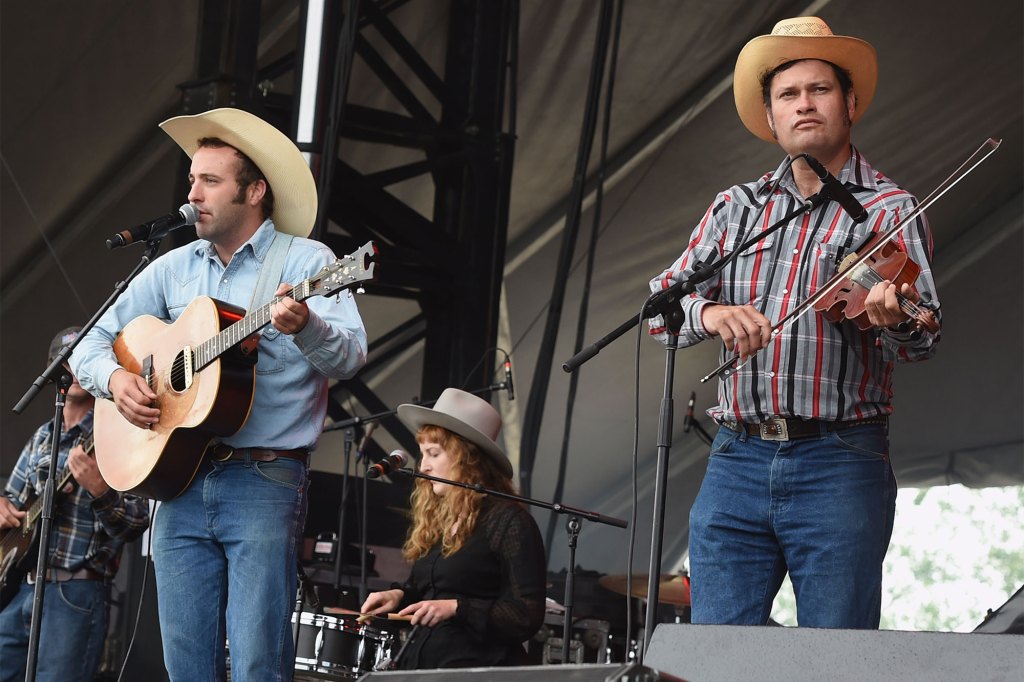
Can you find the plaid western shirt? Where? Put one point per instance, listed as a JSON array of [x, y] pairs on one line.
[[87, 532], [814, 369]]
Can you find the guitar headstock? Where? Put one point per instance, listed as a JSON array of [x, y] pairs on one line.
[[345, 272]]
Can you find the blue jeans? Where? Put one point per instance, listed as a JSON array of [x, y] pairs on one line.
[[820, 508], [225, 557], [71, 634]]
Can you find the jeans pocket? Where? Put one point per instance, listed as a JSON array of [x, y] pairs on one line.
[[723, 441], [289, 473], [869, 441], [78, 596]]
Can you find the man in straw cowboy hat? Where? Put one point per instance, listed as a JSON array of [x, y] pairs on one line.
[[477, 586], [225, 549], [799, 478], [91, 524]]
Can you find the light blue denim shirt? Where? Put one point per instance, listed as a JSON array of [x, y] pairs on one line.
[[291, 377]]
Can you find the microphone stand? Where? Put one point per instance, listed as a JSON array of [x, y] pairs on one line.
[[573, 526], [348, 425], [666, 303], [62, 378], [350, 435]]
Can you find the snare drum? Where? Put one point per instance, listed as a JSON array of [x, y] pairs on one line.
[[339, 644]]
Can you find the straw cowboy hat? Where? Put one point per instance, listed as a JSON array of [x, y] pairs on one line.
[[465, 414], [273, 153], [790, 40]]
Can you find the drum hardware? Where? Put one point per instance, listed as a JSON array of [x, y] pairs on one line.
[[553, 651], [592, 642]]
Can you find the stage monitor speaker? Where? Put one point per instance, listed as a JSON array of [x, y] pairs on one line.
[[610, 672], [726, 653], [1007, 619]]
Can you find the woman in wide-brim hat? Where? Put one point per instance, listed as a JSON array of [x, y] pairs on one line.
[[477, 585]]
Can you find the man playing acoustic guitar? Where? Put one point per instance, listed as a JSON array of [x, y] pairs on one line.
[[91, 523], [225, 548]]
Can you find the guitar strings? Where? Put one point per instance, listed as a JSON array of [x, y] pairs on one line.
[[213, 347]]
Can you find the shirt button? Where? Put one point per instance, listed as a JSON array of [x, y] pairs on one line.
[[785, 291], [796, 250], [770, 374]]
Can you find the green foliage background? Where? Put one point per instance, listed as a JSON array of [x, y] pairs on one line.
[[955, 554]]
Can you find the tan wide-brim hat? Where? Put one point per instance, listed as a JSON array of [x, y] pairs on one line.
[[465, 414], [790, 40], [273, 153]]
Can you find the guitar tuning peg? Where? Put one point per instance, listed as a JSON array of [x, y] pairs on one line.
[[360, 290]]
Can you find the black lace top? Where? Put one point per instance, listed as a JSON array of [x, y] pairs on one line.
[[498, 578]]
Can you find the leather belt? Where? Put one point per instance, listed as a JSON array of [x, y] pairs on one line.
[[781, 428], [222, 453], [60, 575]]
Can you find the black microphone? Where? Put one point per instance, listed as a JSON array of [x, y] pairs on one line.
[[688, 421], [835, 189], [188, 214], [365, 441], [508, 380], [396, 460]]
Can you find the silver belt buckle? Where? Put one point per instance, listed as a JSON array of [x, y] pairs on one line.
[[774, 429]]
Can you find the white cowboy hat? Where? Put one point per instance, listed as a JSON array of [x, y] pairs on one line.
[[273, 153], [790, 40], [465, 414]]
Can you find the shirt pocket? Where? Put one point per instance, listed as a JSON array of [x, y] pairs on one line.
[[273, 351], [179, 290], [752, 266], [825, 264]]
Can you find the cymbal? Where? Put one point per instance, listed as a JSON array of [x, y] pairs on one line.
[[672, 589]]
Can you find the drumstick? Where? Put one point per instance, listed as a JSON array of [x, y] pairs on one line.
[[363, 617], [367, 617]]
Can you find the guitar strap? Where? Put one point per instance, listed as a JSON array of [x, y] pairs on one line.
[[273, 267]]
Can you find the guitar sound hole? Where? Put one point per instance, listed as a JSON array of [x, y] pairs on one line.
[[179, 379]]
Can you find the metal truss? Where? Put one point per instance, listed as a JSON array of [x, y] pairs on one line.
[[447, 256]]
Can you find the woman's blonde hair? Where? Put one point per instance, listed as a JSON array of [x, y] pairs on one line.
[[433, 516]]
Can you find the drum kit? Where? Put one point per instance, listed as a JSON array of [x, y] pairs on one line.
[[340, 644]]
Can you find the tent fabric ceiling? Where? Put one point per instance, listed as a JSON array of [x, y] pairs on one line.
[[85, 85]]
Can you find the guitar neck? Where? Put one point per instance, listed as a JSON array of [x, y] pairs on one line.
[[343, 273], [210, 350], [63, 478]]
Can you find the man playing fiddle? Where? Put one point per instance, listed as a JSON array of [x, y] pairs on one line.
[[799, 478]]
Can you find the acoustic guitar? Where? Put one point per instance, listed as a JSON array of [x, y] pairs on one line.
[[202, 368], [19, 546]]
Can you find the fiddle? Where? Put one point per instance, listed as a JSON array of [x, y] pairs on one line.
[[870, 277], [845, 299]]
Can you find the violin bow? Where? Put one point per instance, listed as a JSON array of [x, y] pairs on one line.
[[987, 148]]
